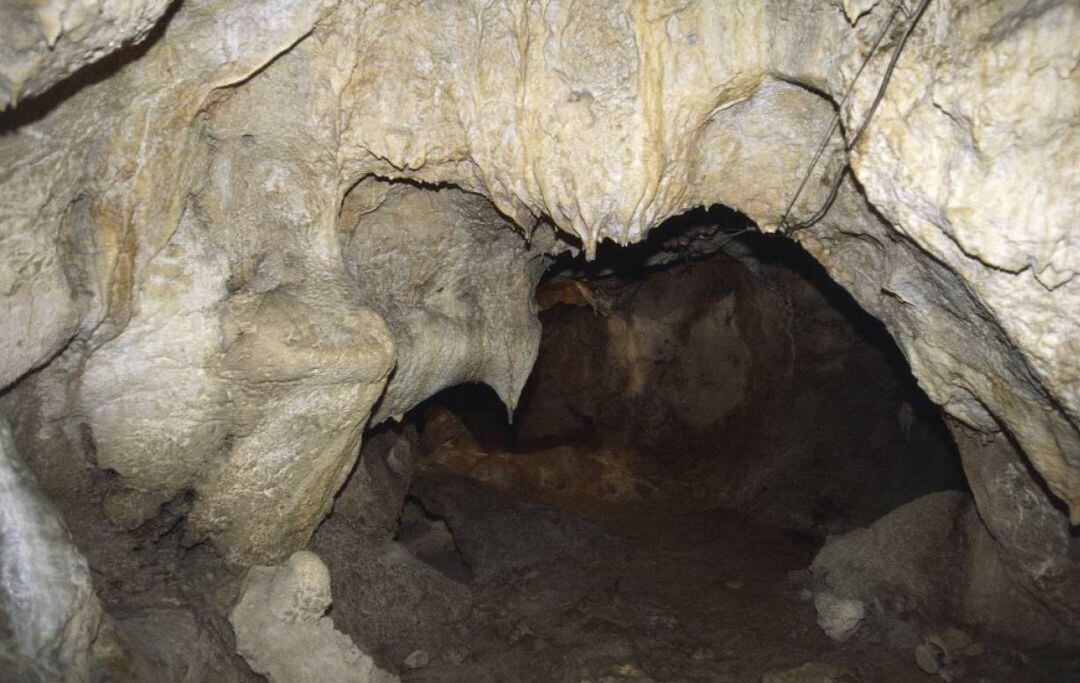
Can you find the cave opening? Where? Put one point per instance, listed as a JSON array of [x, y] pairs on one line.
[[708, 366], [706, 408]]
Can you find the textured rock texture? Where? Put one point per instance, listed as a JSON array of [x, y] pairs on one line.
[[1036, 547], [282, 633], [170, 223], [454, 282], [390, 602], [41, 43], [933, 560], [372, 499], [52, 627], [496, 533]]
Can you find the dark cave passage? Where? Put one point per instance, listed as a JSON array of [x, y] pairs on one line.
[[706, 409], [707, 367]]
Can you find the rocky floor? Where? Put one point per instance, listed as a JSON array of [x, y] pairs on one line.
[[643, 594]]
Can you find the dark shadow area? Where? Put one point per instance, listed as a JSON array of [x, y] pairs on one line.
[[428, 538], [709, 366]]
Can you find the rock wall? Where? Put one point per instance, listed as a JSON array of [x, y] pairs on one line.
[[51, 622], [932, 561], [169, 224], [454, 282]]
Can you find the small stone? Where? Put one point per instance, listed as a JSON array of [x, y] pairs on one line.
[[838, 617], [300, 589], [930, 658], [520, 630], [418, 659], [734, 585]]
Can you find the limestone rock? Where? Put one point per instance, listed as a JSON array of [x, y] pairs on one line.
[[941, 182], [932, 558], [839, 617], [455, 284], [50, 618], [388, 600], [43, 42], [282, 633], [1033, 548], [372, 500], [160, 204], [181, 648], [496, 533]]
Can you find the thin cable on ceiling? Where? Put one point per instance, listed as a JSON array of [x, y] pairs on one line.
[[787, 227]]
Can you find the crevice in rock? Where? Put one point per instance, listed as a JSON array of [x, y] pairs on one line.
[[427, 536]]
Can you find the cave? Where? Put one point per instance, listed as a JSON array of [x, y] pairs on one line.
[[359, 342], [708, 366]]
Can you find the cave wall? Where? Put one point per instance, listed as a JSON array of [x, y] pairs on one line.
[[158, 210], [413, 252]]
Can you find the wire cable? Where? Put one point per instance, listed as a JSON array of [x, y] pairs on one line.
[[788, 228]]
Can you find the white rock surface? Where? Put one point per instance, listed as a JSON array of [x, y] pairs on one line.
[[43, 42], [839, 617], [50, 616], [283, 635]]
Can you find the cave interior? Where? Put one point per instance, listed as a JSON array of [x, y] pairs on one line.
[[369, 341]]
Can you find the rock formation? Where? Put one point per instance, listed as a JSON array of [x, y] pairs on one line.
[[53, 627], [931, 558], [454, 282], [233, 232], [282, 632]]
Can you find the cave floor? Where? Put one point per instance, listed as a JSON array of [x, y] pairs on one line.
[[710, 596]]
